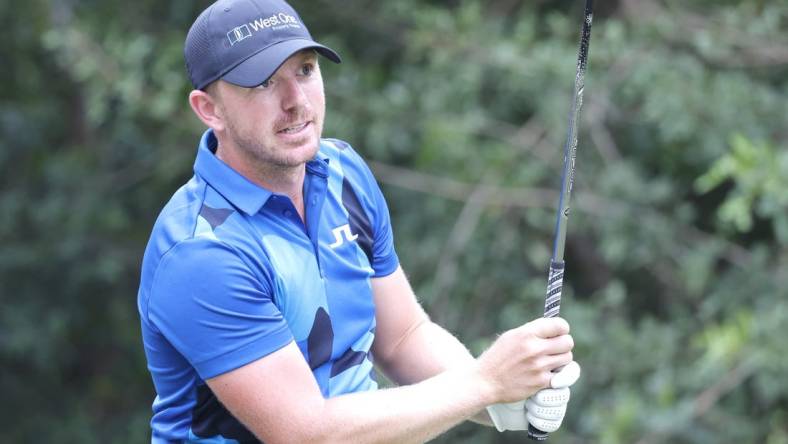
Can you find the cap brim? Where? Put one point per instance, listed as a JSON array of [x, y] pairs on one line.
[[259, 67]]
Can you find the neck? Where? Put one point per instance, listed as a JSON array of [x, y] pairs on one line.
[[287, 181], [284, 180]]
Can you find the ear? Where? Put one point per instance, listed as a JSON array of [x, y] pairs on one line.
[[208, 109]]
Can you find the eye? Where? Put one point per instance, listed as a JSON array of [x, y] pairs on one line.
[[264, 85], [307, 69]]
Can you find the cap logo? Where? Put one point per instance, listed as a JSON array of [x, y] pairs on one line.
[[274, 22], [238, 34]]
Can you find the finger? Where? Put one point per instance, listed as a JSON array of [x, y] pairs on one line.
[[548, 413], [544, 425], [555, 362], [551, 397], [566, 376], [559, 344], [548, 327]]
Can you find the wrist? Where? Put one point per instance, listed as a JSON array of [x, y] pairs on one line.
[[489, 392]]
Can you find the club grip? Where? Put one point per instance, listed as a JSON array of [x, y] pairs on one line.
[[552, 307], [555, 284], [536, 434]]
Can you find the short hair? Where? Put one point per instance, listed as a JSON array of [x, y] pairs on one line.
[[213, 89]]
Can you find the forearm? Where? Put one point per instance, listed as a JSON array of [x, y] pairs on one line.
[[407, 414], [278, 399], [427, 351]]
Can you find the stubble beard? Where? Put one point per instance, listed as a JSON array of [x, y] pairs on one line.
[[268, 157]]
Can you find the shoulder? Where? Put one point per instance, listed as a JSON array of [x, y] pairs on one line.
[[195, 211], [339, 151], [346, 162], [200, 260], [335, 144], [197, 233], [176, 222], [200, 272], [172, 266]]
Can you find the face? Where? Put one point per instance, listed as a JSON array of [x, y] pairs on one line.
[[277, 124]]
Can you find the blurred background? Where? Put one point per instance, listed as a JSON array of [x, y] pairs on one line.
[[677, 279]]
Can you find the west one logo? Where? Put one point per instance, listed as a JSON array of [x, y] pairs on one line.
[[275, 21]]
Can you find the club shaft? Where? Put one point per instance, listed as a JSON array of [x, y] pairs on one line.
[[570, 145], [556, 275]]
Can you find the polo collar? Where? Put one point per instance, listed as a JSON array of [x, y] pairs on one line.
[[238, 190]]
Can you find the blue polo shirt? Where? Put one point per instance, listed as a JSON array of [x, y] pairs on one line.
[[231, 274]]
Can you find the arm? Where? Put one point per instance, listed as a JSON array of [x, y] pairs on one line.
[[240, 346], [408, 346], [277, 398], [218, 314], [413, 413]]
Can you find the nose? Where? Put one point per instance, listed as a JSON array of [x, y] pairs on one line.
[[293, 96]]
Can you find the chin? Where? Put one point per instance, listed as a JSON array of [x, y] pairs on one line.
[[299, 155], [310, 147]]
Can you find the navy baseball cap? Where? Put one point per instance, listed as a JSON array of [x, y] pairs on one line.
[[244, 42]]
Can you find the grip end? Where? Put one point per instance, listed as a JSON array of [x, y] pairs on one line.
[[536, 434]]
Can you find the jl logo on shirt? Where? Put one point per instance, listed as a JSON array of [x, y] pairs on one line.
[[341, 234]]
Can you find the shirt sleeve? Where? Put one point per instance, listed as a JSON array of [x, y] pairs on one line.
[[385, 260], [384, 256], [214, 309]]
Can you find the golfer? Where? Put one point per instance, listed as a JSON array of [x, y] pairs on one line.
[[271, 292]]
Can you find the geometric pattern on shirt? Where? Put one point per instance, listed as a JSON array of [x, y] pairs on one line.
[[357, 218], [215, 216], [210, 418], [320, 342]]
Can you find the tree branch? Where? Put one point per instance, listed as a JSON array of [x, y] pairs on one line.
[[709, 397], [522, 197]]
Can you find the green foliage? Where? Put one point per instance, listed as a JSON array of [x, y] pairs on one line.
[[676, 253], [759, 173]]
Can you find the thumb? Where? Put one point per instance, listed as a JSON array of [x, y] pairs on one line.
[[566, 376]]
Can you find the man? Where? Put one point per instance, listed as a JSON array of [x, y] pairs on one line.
[[270, 282]]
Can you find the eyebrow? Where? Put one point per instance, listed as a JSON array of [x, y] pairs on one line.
[[309, 53]]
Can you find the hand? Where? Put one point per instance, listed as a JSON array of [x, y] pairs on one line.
[[521, 361], [544, 410]]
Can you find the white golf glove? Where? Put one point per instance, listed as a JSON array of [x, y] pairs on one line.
[[544, 410]]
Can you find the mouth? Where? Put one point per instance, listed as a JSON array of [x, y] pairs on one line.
[[294, 129]]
